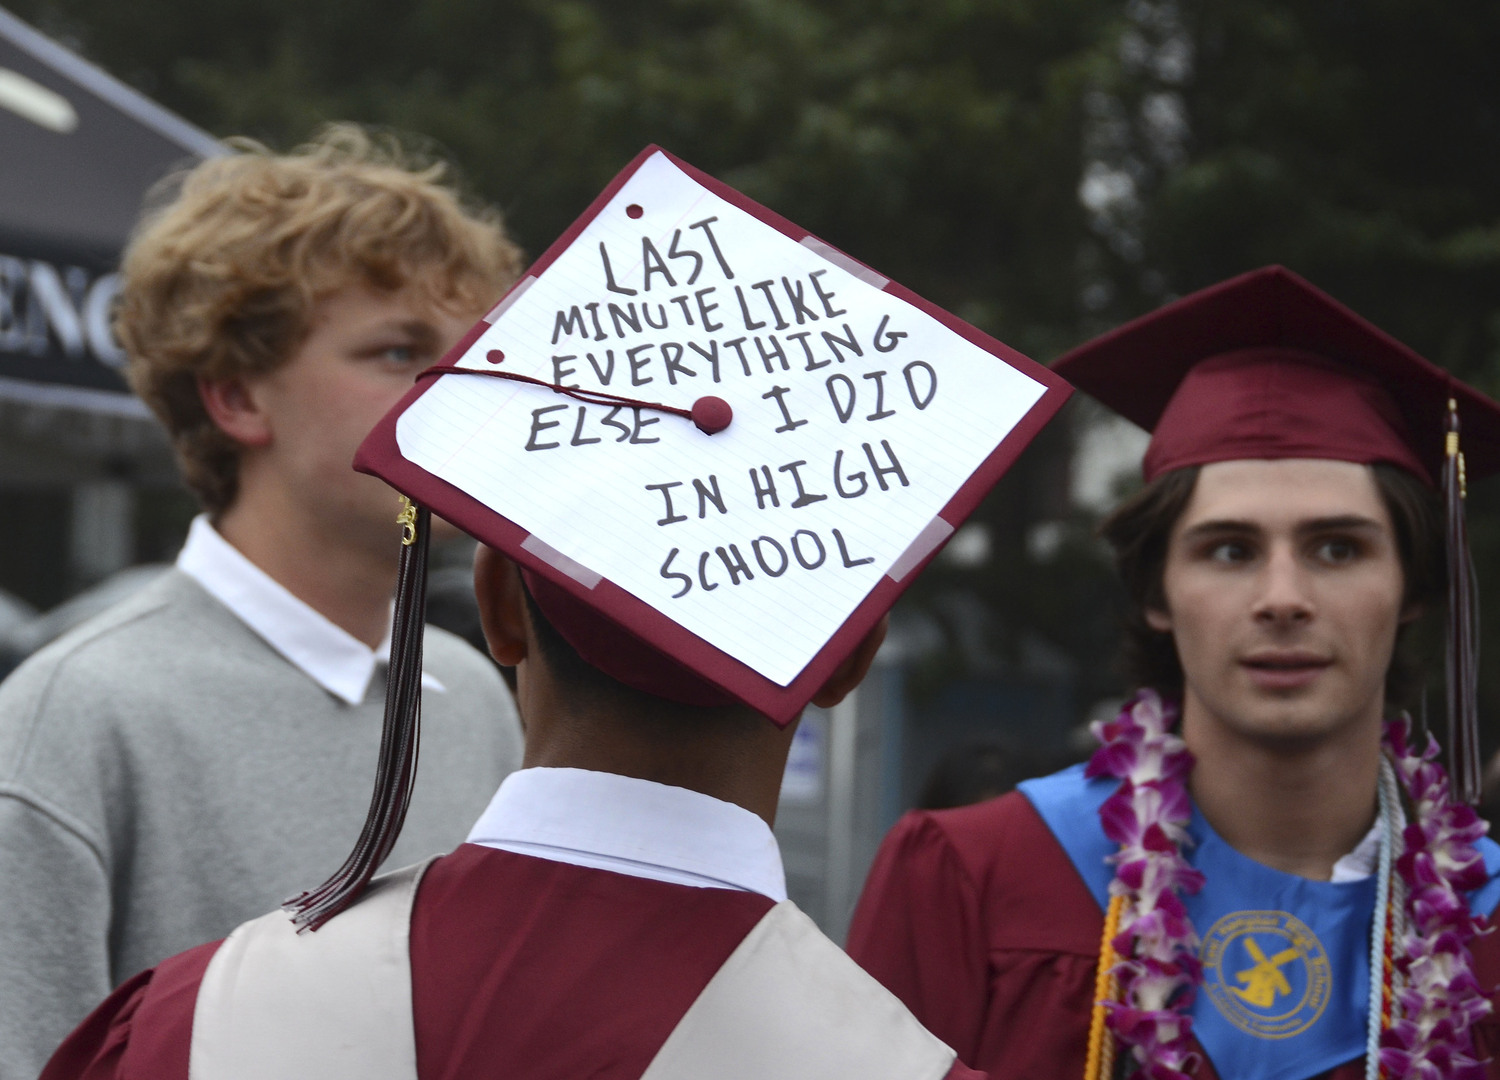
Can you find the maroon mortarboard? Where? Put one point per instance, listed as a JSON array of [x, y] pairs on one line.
[[718, 448], [1266, 366]]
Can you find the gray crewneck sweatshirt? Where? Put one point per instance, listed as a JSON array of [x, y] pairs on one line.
[[166, 775]]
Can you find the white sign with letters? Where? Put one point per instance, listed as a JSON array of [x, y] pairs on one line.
[[857, 417]]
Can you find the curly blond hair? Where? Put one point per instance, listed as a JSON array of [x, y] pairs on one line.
[[221, 280]]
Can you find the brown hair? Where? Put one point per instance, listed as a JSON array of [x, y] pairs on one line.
[[221, 280], [1140, 528]]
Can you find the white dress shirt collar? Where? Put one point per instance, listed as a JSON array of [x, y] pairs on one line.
[[329, 655], [1364, 860], [636, 827]]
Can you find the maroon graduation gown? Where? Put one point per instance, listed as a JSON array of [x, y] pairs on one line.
[[978, 922], [521, 967]]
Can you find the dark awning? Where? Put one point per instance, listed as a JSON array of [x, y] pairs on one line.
[[79, 151]]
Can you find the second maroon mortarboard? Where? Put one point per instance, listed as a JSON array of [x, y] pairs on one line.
[[1266, 366]]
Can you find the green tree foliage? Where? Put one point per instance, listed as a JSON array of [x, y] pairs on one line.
[[937, 140], [1358, 144]]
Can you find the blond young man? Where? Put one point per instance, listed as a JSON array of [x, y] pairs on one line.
[[183, 762]]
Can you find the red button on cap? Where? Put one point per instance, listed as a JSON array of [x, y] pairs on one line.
[[712, 414]]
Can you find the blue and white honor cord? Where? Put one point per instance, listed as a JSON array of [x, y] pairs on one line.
[[1390, 892]]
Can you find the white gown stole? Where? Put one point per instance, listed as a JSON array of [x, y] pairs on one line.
[[788, 1004]]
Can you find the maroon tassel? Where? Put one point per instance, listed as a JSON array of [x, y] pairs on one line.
[[397, 767], [1463, 627]]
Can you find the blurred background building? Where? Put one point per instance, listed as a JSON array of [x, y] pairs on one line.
[[85, 475], [1044, 169]]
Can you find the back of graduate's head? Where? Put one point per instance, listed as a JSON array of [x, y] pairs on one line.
[[623, 680]]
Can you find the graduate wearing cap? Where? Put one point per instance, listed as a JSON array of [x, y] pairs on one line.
[[677, 558], [1261, 873]]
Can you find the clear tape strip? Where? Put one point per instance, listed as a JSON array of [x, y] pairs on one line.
[[936, 531], [558, 561], [844, 262], [510, 298]]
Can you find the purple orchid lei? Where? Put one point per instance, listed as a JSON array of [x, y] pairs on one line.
[[1148, 816], [1430, 1037]]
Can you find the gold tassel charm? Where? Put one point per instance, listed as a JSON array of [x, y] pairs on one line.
[[407, 519]]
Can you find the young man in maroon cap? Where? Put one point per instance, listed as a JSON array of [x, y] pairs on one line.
[[1258, 874]]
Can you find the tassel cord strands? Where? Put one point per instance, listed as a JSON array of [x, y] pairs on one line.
[[400, 736], [1462, 667], [593, 397]]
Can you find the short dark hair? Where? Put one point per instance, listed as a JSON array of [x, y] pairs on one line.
[[1140, 528], [584, 682]]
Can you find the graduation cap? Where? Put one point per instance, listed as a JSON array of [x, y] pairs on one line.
[[1267, 366], [718, 448]]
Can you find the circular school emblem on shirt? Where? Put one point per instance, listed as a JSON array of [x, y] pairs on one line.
[[1266, 972]]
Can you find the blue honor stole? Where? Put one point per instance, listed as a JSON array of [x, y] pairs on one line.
[[1286, 960]]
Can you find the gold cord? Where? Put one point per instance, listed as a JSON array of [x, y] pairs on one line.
[[1101, 1057]]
